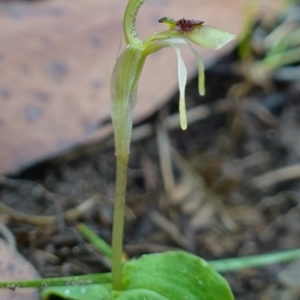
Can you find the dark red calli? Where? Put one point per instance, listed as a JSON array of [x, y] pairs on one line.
[[185, 26]]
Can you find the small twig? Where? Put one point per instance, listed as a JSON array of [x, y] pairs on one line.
[[170, 228], [16, 183], [147, 248], [262, 113], [269, 231], [205, 195], [271, 178], [39, 190], [8, 236], [164, 150], [194, 114], [71, 214]]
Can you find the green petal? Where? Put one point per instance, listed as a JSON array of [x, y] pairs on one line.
[[209, 37], [159, 44], [174, 41], [201, 74], [182, 76], [204, 36]]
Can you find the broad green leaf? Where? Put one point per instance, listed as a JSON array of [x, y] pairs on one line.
[[79, 292], [138, 294], [175, 276]]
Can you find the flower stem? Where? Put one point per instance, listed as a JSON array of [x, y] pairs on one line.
[[118, 224], [123, 98]]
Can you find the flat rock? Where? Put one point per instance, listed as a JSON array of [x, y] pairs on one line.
[[56, 59], [13, 266]]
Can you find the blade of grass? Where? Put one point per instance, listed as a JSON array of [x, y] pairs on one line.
[[234, 264], [60, 281], [97, 241]]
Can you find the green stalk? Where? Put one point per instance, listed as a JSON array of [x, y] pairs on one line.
[[60, 281], [118, 224]]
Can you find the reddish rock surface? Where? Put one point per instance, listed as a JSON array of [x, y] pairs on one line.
[[56, 59], [13, 266]]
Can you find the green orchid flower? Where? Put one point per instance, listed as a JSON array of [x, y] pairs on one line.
[[124, 83], [179, 32]]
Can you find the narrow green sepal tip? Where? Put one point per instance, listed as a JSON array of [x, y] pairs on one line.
[[169, 21]]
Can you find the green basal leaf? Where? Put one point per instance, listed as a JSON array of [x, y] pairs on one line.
[[80, 292], [166, 276], [137, 294], [175, 276]]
